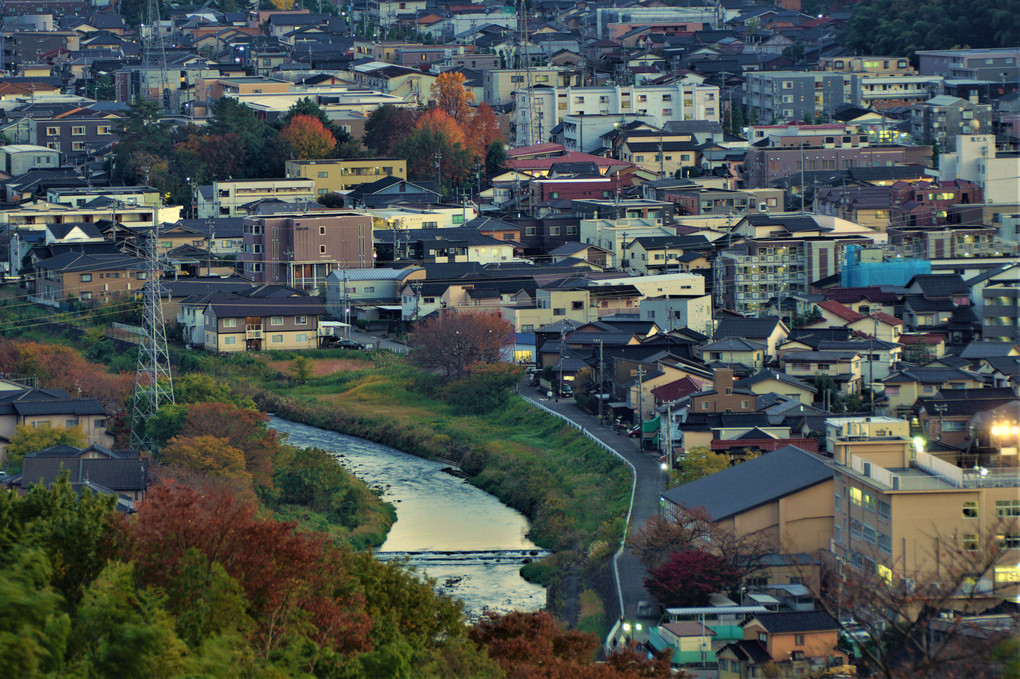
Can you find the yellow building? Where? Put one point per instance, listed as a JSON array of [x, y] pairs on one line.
[[900, 511], [340, 174]]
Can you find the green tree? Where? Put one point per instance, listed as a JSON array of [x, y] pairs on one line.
[[495, 158], [33, 626], [386, 127], [302, 369], [28, 439]]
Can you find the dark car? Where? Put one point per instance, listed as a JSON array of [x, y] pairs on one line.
[[344, 343]]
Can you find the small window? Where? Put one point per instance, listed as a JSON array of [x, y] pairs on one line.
[[323, 175], [322, 230], [301, 337], [970, 542], [970, 509], [70, 423], [85, 277], [798, 639], [277, 339], [229, 322], [230, 340], [301, 320], [322, 249], [276, 320]]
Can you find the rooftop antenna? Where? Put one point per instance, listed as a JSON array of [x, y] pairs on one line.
[[153, 381]]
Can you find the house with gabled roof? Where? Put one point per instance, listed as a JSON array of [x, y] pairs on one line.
[[769, 330], [31, 407], [904, 387], [118, 471], [771, 381], [793, 643]]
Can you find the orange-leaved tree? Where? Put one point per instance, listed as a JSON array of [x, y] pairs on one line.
[[482, 131], [451, 97], [308, 138], [211, 455]]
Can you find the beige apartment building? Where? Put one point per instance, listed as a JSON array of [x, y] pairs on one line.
[[903, 513], [263, 323], [340, 174], [235, 198]]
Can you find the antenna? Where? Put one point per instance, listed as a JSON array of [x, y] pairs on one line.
[[153, 381]]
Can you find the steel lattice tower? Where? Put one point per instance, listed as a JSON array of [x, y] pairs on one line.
[[153, 382], [154, 54]]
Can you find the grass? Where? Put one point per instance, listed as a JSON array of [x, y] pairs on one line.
[[593, 615]]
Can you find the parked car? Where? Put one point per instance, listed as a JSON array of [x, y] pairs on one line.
[[346, 343]]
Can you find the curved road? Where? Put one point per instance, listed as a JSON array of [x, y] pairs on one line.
[[650, 483]]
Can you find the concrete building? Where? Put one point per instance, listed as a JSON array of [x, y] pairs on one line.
[[539, 109], [340, 174], [386, 12], [673, 312], [874, 65], [942, 119], [584, 132], [17, 159], [893, 502], [499, 85], [790, 95], [613, 234], [976, 159], [996, 64], [233, 198], [301, 250], [763, 166], [882, 92], [710, 15]]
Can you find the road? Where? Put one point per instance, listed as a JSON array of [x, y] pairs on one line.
[[650, 483], [376, 340]]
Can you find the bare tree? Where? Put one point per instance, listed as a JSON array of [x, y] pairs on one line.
[[453, 341]]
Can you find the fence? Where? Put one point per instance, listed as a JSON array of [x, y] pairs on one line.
[[630, 509]]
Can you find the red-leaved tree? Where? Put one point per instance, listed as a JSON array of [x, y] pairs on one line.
[[689, 578], [242, 428], [453, 341], [295, 583]]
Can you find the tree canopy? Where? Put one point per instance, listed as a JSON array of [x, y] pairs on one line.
[[452, 342]]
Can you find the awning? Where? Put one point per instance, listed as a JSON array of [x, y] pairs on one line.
[[390, 307]]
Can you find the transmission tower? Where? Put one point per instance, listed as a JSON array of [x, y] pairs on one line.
[[153, 383], [523, 53], [155, 53]]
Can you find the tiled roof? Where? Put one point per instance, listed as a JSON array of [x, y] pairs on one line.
[[790, 622], [734, 344], [870, 293], [930, 376], [749, 328], [748, 650], [841, 310], [761, 480], [769, 374]]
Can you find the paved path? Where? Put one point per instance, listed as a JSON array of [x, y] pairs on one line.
[[376, 340], [650, 483]]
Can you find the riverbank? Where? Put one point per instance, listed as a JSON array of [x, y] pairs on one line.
[[573, 492]]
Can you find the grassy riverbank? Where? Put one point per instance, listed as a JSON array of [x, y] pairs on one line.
[[573, 492]]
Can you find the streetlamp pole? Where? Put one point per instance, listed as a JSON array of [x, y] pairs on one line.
[[601, 379]]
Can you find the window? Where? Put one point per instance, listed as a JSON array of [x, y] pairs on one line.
[[276, 320], [704, 405], [70, 423], [529, 231], [52, 131], [763, 638], [323, 175], [85, 277], [322, 249], [301, 337], [301, 320], [230, 340], [884, 510], [798, 639], [577, 306], [1004, 508], [970, 510], [277, 339], [554, 230], [559, 312], [1008, 540], [104, 129], [78, 130], [970, 542], [229, 322], [86, 295], [77, 146]]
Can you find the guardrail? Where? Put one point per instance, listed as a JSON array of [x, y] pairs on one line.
[[630, 508]]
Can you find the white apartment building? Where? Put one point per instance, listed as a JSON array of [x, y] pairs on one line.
[[674, 312], [975, 159], [539, 110], [386, 12], [584, 132], [882, 91], [499, 84], [611, 235], [231, 199]]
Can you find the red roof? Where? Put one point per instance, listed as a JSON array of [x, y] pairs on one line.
[[840, 310], [572, 157], [674, 391], [927, 338], [547, 147]]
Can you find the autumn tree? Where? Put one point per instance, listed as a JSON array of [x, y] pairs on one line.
[[698, 463], [495, 158], [534, 646], [242, 428], [450, 96], [452, 342], [659, 538], [212, 455], [386, 127], [483, 131], [28, 439], [689, 578], [308, 138]]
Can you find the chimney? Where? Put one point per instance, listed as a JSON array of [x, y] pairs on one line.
[[723, 380]]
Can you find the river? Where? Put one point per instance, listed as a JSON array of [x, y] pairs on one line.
[[464, 538]]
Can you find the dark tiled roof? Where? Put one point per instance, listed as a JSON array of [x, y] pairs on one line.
[[987, 350], [749, 328], [70, 262], [788, 622], [761, 480], [116, 474], [940, 285], [769, 374], [748, 650], [930, 376]]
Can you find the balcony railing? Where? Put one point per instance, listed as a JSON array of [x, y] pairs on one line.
[[253, 332]]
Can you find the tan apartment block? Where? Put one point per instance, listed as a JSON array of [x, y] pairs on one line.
[[340, 174]]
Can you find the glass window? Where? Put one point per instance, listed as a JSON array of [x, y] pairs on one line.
[[276, 320], [229, 322], [230, 340], [277, 339], [970, 509], [970, 542], [1005, 508], [85, 277], [301, 337]]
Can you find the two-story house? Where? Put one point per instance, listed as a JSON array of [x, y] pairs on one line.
[[91, 278], [258, 324], [792, 643]]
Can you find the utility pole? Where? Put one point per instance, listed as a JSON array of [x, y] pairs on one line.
[[347, 304], [940, 408], [563, 339], [601, 379], [871, 364], [640, 372]]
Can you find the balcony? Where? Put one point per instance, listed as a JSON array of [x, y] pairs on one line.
[[928, 472], [253, 332]]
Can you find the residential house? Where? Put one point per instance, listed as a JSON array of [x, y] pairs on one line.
[[17, 159], [790, 643], [389, 190], [91, 278], [363, 293], [904, 387], [769, 330], [768, 381], [121, 472], [693, 311], [458, 244], [657, 254], [262, 323], [843, 367], [691, 642], [31, 407], [735, 352], [952, 418]]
